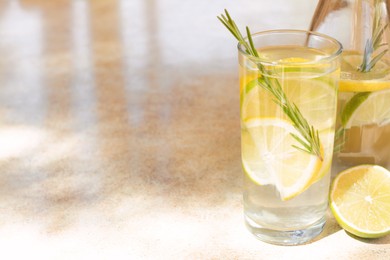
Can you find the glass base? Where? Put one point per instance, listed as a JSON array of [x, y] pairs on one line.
[[285, 237]]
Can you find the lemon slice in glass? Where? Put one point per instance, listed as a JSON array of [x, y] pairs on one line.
[[363, 85], [353, 81], [257, 102], [312, 96], [268, 157], [360, 200], [327, 140]]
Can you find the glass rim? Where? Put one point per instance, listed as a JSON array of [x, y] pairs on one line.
[[330, 56]]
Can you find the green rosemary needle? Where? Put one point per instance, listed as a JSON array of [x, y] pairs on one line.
[[369, 61], [308, 139], [373, 44]]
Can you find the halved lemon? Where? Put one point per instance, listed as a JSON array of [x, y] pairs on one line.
[[360, 200], [268, 157]]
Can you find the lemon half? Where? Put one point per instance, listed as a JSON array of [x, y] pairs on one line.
[[360, 200]]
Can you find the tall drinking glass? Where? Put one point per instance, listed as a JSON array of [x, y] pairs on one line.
[[288, 99]]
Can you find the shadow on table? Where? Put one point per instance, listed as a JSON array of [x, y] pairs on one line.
[[331, 227], [377, 241]]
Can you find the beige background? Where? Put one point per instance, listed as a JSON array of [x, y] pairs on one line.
[[119, 132]]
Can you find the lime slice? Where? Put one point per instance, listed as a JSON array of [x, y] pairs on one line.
[[269, 157], [352, 105], [360, 200], [367, 108]]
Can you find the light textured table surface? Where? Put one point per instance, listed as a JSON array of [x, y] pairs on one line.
[[120, 136]]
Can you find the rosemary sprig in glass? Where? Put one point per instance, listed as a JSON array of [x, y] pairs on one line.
[[373, 44], [379, 25], [309, 138]]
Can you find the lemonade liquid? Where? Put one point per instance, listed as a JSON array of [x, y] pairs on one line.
[[313, 88], [366, 141]]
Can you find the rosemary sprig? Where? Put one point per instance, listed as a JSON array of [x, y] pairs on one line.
[[309, 138], [373, 44]]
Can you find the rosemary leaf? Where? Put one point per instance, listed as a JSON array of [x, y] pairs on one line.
[[308, 137], [376, 59], [252, 46], [373, 44]]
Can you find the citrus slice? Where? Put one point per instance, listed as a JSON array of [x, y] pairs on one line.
[[360, 200], [293, 60], [269, 157], [363, 85], [378, 78], [351, 61], [257, 102], [371, 108], [327, 141], [312, 96]]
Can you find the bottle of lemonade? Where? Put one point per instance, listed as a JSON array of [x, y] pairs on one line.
[[362, 26]]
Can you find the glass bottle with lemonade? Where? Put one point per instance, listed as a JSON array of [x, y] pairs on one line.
[[362, 26]]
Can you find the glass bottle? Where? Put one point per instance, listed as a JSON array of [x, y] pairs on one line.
[[362, 26]]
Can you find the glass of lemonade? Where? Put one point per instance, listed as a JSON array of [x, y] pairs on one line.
[[363, 117], [363, 114], [363, 123], [294, 80]]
